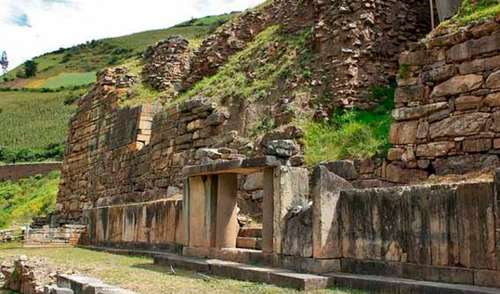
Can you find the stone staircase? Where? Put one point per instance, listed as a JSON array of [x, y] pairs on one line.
[[250, 238]]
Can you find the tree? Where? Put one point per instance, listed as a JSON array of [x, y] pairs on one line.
[[4, 62], [30, 68]]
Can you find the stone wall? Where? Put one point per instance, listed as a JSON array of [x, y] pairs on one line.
[[445, 233], [18, 171], [152, 225], [45, 236], [447, 117], [135, 155], [356, 43]]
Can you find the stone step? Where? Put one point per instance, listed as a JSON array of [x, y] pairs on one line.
[[250, 232], [249, 243], [379, 284], [240, 271]]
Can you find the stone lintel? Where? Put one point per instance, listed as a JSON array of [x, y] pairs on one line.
[[238, 166]]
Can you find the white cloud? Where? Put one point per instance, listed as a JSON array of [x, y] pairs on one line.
[[63, 23]]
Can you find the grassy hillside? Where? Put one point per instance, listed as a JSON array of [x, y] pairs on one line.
[[34, 111], [77, 65], [21, 201]]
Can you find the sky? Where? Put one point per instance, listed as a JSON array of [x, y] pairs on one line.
[[29, 28]]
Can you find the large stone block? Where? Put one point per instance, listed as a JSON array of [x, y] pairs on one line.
[[493, 99], [493, 80], [325, 189], [396, 173], [464, 163], [403, 133], [410, 94], [459, 125], [480, 65], [474, 47], [298, 238], [342, 168], [477, 145], [435, 149], [290, 191], [458, 85], [412, 113]]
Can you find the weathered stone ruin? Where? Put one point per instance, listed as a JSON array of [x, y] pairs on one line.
[[37, 276], [189, 179], [166, 64]]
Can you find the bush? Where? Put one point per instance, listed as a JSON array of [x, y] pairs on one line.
[[30, 68], [13, 155]]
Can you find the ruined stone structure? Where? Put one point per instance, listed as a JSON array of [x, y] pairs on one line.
[[447, 118], [177, 178], [167, 63]]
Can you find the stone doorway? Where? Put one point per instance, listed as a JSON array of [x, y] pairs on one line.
[[210, 205]]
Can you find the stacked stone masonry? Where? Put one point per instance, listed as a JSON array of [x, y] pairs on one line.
[[356, 42], [167, 63], [130, 155], [447, 116]]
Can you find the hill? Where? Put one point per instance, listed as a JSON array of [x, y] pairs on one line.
[[34, 112]]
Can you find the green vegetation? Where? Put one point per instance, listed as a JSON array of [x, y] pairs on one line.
[[21, 201], [213, 21], [255, 71], [30, 68], [70, 80], [351, 134], [474, 10], [14, 155], [96, 55], [34, 120], [141, 275]]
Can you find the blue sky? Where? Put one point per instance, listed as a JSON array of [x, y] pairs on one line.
[[33, 27]]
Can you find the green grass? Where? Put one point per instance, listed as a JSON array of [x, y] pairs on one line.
[[351, 134], [73, 66], [27, 198], [34, 120], [139, 274], [471, 11], [70, 80], [234, 80]]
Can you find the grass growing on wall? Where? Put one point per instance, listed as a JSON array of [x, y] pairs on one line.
[[351, 134], [27, 198], [253, 72], [474, 10]]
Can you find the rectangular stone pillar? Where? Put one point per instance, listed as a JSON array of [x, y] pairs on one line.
[[268, 211], [200, 217], [227, 218], [326, 187], [290, 188]]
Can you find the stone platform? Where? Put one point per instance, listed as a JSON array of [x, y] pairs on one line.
[[302, 281]]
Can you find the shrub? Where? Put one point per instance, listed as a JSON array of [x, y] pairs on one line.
[[30, 68]]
